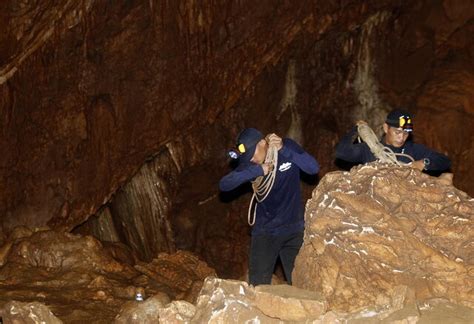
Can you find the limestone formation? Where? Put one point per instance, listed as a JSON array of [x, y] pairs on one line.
[[378, 227]]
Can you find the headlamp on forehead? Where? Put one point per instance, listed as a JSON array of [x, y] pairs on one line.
[[246, 144], [235, 153]]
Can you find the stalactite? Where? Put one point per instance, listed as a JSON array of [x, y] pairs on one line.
[[174, 156], [371, 108], [288, 101]]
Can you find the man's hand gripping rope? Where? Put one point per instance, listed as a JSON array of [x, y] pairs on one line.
[[380, 151]]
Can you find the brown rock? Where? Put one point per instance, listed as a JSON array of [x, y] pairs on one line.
[[64, 251], [289, 303], [140, 312], [228, 301], [373, 229], [177, 312], [181, 272], [28, 313]]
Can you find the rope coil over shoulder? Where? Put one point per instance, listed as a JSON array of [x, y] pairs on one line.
[[381, 152], [263, 185]]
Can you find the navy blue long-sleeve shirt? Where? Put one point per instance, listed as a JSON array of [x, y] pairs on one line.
[[349, 151], [281, 212]]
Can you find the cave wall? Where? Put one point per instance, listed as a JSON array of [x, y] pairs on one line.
[[426, 65], [83, 109], [98, 88]]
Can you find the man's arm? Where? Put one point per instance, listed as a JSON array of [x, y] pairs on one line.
[[349, 151], [292, 151], [437, 161], [235, 178]]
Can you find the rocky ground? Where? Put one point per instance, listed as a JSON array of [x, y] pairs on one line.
[[382, 244]]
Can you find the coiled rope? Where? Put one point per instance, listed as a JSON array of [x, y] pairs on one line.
[[381, 152], [263, 185]]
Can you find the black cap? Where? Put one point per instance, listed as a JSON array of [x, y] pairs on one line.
[[247, 142], [400, 119]]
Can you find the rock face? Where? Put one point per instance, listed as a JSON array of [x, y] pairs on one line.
[[98, 88], [377, 227], [133, 76]]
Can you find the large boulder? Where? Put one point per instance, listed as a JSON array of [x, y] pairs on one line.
[[232, 301], [376, 228]]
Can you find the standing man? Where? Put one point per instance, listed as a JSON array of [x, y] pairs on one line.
[[279, 218], [397, 128]]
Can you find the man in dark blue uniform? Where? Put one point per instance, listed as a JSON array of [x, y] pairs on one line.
[[279, 223], [397, 128]]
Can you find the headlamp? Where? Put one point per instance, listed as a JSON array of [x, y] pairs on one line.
[[233, 154]]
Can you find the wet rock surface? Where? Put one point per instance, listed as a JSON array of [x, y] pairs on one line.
[[377, 227]]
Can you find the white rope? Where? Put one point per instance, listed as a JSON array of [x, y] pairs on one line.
[[381, 152], [263, 185]]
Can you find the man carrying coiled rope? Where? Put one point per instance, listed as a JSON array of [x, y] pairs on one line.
[[273, 166], [395, 146]]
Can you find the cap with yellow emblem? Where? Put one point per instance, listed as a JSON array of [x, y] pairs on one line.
[[400, 119], [246, 144]]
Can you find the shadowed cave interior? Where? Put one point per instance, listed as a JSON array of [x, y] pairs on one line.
[[116, 119]]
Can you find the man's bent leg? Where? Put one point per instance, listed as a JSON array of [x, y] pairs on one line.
[[263, 255], [289, 250]]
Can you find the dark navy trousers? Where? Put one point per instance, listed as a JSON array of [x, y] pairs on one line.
[[264, 253]]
